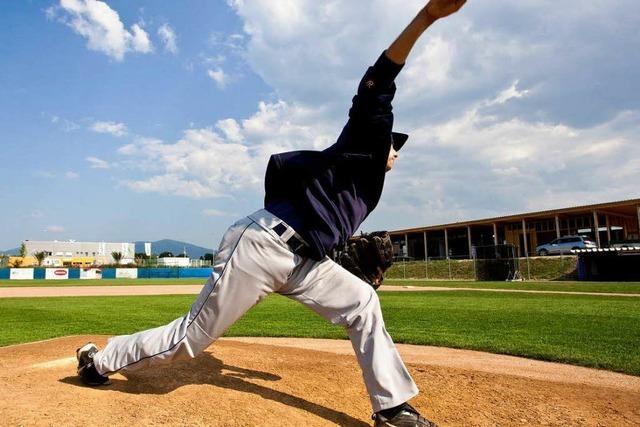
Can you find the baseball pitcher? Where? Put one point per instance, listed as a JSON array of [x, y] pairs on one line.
[[314, 202]]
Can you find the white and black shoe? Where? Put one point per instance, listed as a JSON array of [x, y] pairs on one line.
[[405, 416], [86, 369]]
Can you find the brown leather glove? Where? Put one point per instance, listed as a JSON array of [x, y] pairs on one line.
[[367, 256]]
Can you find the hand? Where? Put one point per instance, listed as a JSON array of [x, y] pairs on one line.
[[440, 8]]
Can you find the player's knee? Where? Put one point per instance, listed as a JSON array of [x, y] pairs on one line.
[[366, 313]]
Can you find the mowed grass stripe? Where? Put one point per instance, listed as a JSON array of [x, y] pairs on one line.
[[584, 330]]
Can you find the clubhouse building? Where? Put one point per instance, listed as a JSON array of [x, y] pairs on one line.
[[604, 223]]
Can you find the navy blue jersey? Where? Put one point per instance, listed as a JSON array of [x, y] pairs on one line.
[[326, 195]]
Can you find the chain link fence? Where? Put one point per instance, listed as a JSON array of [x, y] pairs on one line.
[[562, 267]]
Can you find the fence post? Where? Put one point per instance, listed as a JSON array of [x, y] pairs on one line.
[[475, 273]]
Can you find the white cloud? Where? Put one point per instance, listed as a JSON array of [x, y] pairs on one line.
[[140, 39], [171, 184], [96, 163], [168, 37], [511, 92], [71, 175], [474, 165], [231, 129], [127, 149], [97, 22], [206, 163], [61, 123], [113, 128], [219, 77], [54, 229], [230, 42], [201, 164]]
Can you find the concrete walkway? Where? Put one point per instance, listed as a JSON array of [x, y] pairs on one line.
[[128, 290]]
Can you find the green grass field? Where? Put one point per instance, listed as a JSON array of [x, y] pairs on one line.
[[618, 287], [585, 330]]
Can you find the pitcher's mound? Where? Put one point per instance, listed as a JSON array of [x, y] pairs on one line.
[[289, 382]]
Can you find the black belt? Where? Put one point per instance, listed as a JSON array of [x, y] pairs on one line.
[[296, 244]]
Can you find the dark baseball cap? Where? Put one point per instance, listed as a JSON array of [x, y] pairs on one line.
[[398, 140]]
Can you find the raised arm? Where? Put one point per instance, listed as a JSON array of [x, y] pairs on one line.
[[399, 50], [370, 117]]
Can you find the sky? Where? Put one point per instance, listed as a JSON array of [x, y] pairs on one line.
[[142, 120]]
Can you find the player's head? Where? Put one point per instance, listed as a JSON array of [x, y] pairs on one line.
[[398, 140]]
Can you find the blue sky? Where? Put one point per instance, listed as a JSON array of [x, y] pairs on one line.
[[126, 120]]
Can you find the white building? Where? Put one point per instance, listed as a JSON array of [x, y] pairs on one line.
[[70, 251], [174, 262]]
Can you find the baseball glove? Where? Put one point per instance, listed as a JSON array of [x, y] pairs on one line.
[[367, 256]]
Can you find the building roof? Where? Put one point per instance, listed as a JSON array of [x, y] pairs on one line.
[[622, 208]]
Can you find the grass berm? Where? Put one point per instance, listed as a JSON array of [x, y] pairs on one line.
[[540, 268]]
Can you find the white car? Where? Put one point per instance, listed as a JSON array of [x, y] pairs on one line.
[[564, 245]]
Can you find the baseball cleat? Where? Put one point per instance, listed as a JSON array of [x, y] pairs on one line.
[[407, 417], [86, 369]]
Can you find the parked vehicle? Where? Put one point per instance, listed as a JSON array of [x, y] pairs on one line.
[[565, 245]]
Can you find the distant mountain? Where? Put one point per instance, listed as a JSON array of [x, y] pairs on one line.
[[14, 251], [175, 247]]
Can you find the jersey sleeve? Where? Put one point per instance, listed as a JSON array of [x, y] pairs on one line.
[[375, 92], [368, 129]]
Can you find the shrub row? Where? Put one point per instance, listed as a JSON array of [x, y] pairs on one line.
[[536, 268]]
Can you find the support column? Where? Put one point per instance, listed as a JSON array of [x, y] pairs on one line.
[[426, 257], [638, 221], [446, 243], [524, 234], [557, 227], [426, 248], [406, 244], [596, 227], [495, 234], [469, 240], [606, 217]]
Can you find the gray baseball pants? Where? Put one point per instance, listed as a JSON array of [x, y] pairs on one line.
[[253, 261]]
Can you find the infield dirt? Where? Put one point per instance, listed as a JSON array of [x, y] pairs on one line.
[[294, 382]]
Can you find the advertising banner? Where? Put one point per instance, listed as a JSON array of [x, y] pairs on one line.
[[90, 273], [126, 273], [56, 273], [21, 274], [147, 249]]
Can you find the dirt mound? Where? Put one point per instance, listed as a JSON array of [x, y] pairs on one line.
[[294, 382]]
